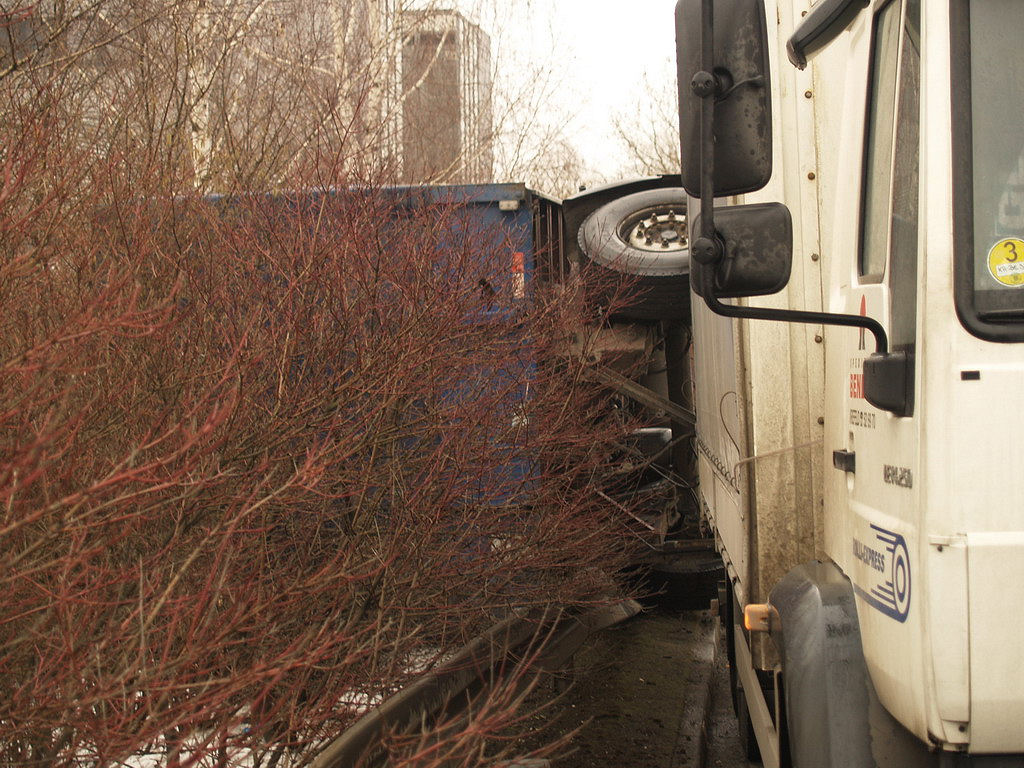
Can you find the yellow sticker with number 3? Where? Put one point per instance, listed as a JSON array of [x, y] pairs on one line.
[[1006, 261]]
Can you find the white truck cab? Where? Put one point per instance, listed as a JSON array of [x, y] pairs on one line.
[[857, 350]]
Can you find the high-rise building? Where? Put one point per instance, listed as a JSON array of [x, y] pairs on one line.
[[446, 117]]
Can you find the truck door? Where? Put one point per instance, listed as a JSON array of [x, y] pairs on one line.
[[876, 455]]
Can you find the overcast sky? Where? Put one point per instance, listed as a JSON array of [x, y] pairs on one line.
[[610, 47], [600, 51]]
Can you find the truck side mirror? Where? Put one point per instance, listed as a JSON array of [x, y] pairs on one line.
[[739, 80], [725, 136], [757, 243]]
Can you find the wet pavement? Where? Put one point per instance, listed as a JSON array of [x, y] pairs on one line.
[[651, 692]]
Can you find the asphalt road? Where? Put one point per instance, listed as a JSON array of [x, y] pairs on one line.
[[723, 741], [651, 692]]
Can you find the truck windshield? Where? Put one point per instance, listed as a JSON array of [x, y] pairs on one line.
[[991, 288]]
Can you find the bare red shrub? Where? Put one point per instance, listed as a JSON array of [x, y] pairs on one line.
[[262, 453], [264, 457]]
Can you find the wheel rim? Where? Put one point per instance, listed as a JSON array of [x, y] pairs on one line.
[[659, 230]]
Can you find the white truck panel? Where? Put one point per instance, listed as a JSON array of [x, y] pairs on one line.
[[995, 564], [760, 410], [945, 551], [720, 440], [872, 526]]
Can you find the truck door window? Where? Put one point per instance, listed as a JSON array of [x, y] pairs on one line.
[[891, 161], [878, 143], [903, 237], [987, 93]]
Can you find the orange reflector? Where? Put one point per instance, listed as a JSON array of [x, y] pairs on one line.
[[759, 617], [518, 275]]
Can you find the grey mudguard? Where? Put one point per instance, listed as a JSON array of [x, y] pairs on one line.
[[833, 714], [825, 679]]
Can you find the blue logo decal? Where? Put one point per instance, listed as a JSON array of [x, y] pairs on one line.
[[888, 562]]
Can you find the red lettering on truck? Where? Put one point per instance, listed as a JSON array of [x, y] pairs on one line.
[[857, 385]]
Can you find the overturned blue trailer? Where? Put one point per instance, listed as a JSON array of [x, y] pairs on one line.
[[516, 235], [499, 241]]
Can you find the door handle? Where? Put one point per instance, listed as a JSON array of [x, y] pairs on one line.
[[845, 460]]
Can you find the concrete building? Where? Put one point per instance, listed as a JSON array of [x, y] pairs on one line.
[[446, 114]]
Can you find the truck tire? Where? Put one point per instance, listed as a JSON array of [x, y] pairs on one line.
[[726, 616], [642, 236], [745, 728]]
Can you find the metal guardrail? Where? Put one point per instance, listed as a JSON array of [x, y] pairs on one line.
[[552, 638]]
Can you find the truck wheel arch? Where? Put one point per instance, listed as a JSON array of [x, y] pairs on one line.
[[827, 688]]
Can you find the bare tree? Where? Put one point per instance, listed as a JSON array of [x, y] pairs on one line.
[[648, 129], [553, 165]]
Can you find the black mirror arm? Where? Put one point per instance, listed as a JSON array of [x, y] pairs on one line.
[[705, 86], [792, 315], [753, 82]]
